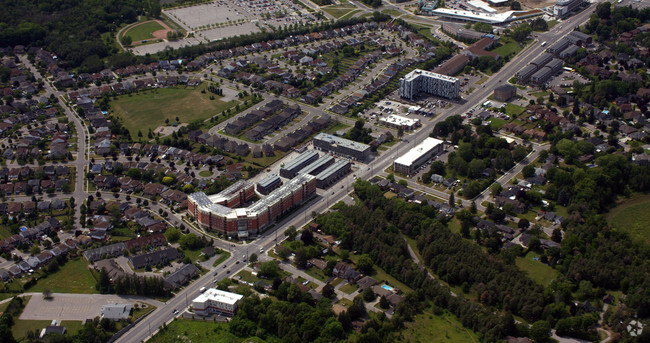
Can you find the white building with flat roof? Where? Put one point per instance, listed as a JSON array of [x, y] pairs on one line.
[[396, 122], [423, 81], [490, 18], [417, 156], [216, 301]]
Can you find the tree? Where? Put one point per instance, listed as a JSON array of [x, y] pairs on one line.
[[47, 294], [344, 254], [269, 270], [515, 6], [253, 258], [307, 237], [127, 40], [328, 291], [528, 171], [365, 264], [523, 223], [291, 233], [604, 10], [556, 236], [540, 331], [34, 250], [383, 303], [368, 295], [452, 200]]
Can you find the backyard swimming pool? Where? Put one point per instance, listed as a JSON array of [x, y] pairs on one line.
[[387, 287]]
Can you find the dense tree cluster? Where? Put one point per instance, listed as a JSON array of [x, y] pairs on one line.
[[72, 29], [359, 133], [131, 284], [376, 228]]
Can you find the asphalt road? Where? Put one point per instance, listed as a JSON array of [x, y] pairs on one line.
[[82, 139]]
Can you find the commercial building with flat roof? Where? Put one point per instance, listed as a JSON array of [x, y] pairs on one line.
[[505, 92], [490, 18], [415, 157], [453, 65], [395, 121], [253, 219], [334, 172], [269, 183], [318, 166], [215, 301], [422, 81], [342, 147], [292, 167]]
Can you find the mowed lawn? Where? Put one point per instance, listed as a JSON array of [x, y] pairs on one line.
[[73, 277], [428, 327], [148, 110], [197, 331], [337, 12], [508, 46], [143, 31], [536, 270], [632, 216]]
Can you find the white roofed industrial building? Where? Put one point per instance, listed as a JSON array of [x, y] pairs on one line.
[[417, 156]]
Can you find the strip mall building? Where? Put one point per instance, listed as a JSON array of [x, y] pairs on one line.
[[222, 212]]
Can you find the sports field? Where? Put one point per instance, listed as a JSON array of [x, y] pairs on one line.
[[148, 110], [143, 31], [632, 216]]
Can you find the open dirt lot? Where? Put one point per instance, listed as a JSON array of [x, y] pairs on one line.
[[71, 306]]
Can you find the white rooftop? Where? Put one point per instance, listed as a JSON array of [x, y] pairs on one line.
[[217, 295], [417, 72], [482, 6], [417, 152], [491, 18], [399, 120]]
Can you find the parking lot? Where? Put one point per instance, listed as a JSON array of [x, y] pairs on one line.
[[566, 79], [222, 19], [71, 306]]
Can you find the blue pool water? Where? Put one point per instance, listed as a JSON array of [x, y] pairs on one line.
[[23, 228], [387, 287]]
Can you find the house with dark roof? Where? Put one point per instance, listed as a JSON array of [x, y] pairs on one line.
[[345, 271], [156, 258], [181, 276]]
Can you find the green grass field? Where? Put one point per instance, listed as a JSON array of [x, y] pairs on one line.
[[392, 13], [632, 216], [514, 110], [337, 12], [205, 173], [143, 31], [348, 288], [72, 277], [148, 110], [21, 327], [224, 256], [496, 123], [428, 327], [508, 47], [536, 270], [317, 273], [349, 15], [185, 330]]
